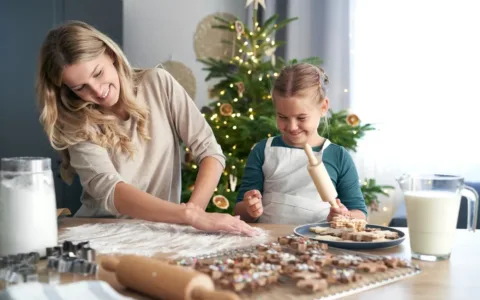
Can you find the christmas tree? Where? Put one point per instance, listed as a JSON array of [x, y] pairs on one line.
[[241, 112]]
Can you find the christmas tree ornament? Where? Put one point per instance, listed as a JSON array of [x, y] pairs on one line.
[[232, 179], [256, 3], [353, 120], [240, 88], [221, 201], [239, 28], [226, 109], [271, 52]]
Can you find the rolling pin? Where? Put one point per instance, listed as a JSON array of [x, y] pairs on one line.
[[161, 280], [320, 177]]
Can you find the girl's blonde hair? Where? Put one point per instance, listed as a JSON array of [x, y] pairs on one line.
[[297, 77], [67, 119]]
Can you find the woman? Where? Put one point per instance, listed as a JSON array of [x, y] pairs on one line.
[[120, 130]]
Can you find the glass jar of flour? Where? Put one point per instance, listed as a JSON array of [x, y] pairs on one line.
[[28, 221]]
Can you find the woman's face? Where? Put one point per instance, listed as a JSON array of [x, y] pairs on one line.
[[94, 81]]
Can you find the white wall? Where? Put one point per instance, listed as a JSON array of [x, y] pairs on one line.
[[159, 30]]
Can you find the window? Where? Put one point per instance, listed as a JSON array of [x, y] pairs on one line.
[[415, 74]]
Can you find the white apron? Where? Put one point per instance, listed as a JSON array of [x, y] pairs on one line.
[[289, 194]]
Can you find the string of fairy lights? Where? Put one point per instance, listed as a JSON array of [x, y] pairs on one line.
[[253, 46]]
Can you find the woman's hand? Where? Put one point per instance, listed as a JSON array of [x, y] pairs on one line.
[[216, 222], [341, 210], [191, 205]]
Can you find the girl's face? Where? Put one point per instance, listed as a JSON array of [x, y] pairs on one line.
[[94, 81], [298, 117]]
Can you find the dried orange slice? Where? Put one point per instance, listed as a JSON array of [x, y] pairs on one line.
[[221, 201], [353, 120], [226, 109]]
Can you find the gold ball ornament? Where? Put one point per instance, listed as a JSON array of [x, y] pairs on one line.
[[221, 202], [183, 75], [208, 40]]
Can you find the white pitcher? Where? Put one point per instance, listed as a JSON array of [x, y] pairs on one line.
[[433, 204]]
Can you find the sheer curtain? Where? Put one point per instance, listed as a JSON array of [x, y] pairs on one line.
[[415, 73], [321, 30]]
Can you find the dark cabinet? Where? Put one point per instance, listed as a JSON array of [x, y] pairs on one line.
[[23, 25]]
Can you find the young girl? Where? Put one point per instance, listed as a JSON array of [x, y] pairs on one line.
[[276, 186], [120, 129]]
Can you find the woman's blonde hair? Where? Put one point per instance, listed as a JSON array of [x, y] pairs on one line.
[[67, 119]]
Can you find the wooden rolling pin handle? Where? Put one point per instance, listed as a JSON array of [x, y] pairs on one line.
[[317, 170], [203, 294], [311, 157], [333, 203], [110, 264]]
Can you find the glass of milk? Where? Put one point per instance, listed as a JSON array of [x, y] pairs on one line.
[[28, 220], [433, 204]]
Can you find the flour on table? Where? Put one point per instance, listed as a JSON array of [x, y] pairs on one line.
[[150, 238]]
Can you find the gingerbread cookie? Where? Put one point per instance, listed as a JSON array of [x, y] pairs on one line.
[[344, 261], [345, 222], [300, 267], [372, 267], [313, 285], [336, 276], [305, 275], [328, 238], [394, 262], [318, 229]]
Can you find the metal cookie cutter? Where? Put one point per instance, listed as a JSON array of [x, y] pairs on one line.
[[19, 268], [71, 258]]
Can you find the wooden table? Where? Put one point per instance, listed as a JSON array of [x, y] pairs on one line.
[[457, 278]]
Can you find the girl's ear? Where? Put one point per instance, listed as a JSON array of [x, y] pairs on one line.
[[324, 107]]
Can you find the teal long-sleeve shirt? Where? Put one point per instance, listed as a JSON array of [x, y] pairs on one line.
[[338, 162]]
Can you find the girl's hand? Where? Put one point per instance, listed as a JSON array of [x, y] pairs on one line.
[[341, 210], [253, 201]]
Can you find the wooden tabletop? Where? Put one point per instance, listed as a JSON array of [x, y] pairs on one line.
[[457, 278]]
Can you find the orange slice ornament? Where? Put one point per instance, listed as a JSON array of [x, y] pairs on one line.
[[221, 201], [353, 120], [226, 109]]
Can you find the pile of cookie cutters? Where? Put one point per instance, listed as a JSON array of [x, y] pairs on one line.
[[65, 258]]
